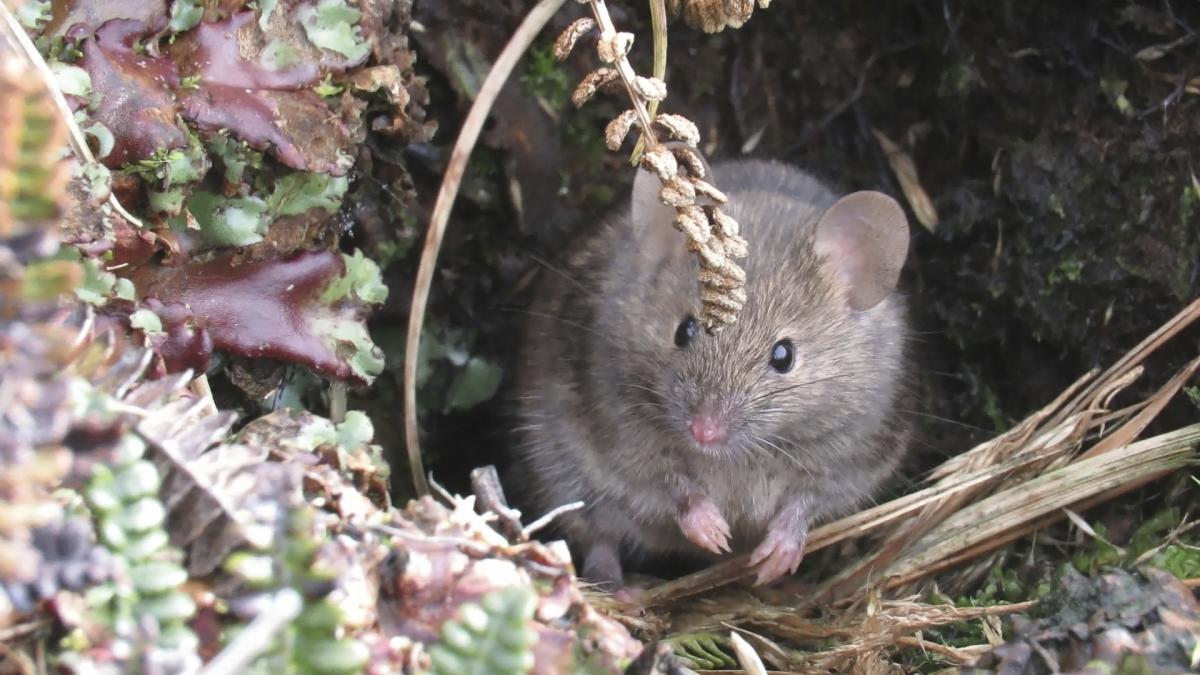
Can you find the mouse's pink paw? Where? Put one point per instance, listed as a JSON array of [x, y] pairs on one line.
[[703, 524], [779, 554]]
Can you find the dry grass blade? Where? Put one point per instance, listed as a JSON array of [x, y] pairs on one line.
[[905, 169], [658, 25], [998, 519], [1186, 317], [1134, 427], [455, 168], [896, 620]]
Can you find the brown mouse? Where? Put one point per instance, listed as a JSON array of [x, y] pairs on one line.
[[681, 441]]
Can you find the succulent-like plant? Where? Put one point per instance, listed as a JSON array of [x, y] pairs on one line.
[[489, 638]]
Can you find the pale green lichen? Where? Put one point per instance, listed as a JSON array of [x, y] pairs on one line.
[[331, 25], [301, 191]]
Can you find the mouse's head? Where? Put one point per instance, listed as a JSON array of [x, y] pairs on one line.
[[817, 349]]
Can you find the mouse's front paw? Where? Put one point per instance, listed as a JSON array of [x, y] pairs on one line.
[[779, 553], [782, 549], [703, 525]]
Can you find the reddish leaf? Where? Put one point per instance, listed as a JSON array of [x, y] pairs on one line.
[[274, 111], [132, 246], [262, 309], [136, 101], [184, 342], [66, 14]]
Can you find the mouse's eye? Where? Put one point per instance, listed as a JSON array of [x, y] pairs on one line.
[[686, 331], [783, 356]]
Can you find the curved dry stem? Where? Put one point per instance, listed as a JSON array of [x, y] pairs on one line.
[[658, 24], [516, 47]]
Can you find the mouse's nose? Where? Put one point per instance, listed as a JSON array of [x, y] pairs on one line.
[[708, 426]]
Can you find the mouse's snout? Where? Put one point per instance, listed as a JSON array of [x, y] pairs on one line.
[[708, 424]]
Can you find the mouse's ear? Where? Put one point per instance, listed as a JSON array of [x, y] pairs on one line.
[[652, 221], [864, 236]]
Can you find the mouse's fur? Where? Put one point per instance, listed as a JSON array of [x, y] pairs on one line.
[[604, 393]]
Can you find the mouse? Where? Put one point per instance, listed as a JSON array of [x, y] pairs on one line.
[[681, 441]]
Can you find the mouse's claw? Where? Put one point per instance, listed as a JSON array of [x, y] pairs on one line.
[[703, 524], [777, 555], [782, 549]]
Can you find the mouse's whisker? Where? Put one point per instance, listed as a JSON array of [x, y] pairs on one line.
[[554, 269], [947, 420], [610, 339], [642, 387], [799, 385], [785, 453]]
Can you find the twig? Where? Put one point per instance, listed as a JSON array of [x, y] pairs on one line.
[[959, 655], [259, 636], [625, 71], [551, 515], [337, 401], [517, 44], [78, 140], [200, 387], [22, 629], [489, 496]]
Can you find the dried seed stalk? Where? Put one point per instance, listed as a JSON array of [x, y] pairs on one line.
[[711, 234]]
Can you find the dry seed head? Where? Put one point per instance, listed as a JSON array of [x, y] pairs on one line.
[[679, 127], [716, 280], [618, 129], [660, 162], [708, 190], [712, 16], [650, 88], [677, 191], [736, 247], [691, 222], [730, 299], [714, 318], [724, 225], [711, 235], [691, 160], [613, 47], [590, 83], [567, 39]]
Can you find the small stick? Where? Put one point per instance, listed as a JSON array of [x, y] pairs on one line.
[[532, 24], [551, 515], [259, 636], [485, 482]]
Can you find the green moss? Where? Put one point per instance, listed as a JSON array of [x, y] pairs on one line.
[[547, 79], [1066, 271], [960, 79], [1152, 538]]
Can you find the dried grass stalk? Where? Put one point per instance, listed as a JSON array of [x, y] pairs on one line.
[[711, 235]]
